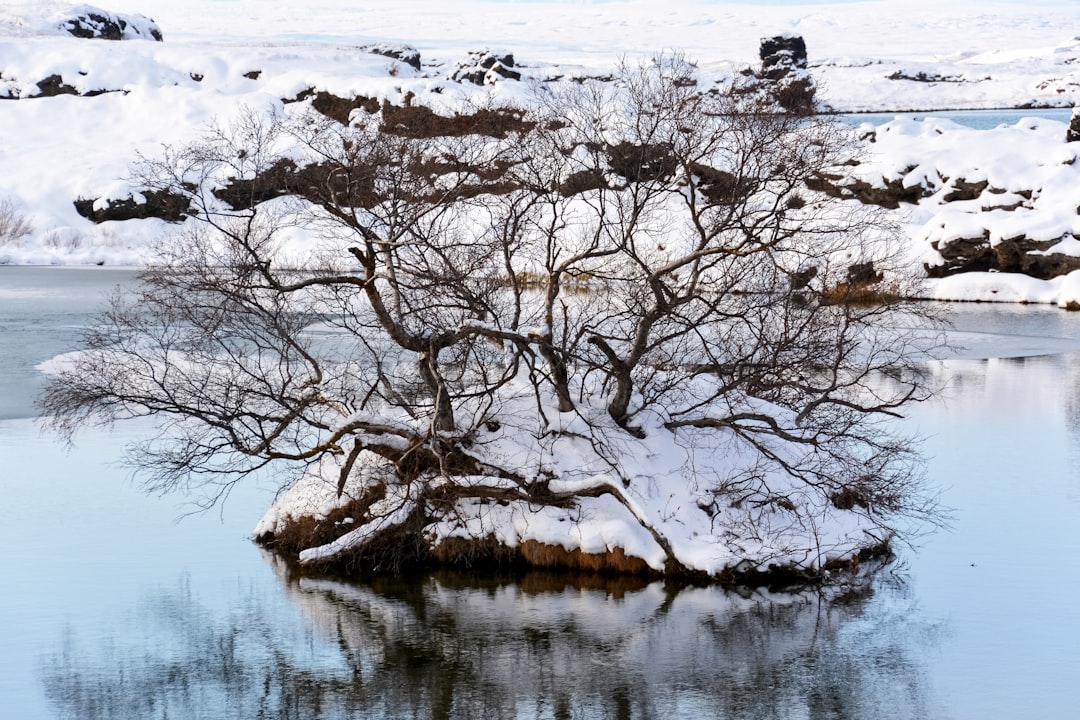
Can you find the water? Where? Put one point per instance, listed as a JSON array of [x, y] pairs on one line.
[[977, 119], [41, 311], [111, 609]]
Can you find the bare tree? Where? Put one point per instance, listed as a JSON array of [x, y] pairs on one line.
[[643, 246]]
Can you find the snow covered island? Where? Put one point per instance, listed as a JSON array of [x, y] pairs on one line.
[[654, 316]]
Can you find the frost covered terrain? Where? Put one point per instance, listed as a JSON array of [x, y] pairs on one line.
[[87, 109], [986, 214]]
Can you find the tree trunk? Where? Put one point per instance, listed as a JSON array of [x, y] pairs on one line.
[[428, 364], [559, 376]]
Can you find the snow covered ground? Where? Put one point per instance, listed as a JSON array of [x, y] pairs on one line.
[[221, 55], [79, 112]]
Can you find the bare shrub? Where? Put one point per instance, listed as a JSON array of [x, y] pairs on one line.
[[462, 322], [66, 239], [13, 224]]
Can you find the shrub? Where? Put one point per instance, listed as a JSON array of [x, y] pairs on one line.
[[13, 224]]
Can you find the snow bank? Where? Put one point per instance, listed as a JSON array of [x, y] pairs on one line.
[[1004, 200], [120, 100], [37, 18]]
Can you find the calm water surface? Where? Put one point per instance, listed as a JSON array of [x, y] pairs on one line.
[[38, 321], [112, 609], [977, 119]]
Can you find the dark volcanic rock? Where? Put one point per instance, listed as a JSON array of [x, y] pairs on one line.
[[890, 196], [964, 190], [94, 23], [781, 54], [421, 121], [1012, 255], [925, 77], [340, 109], [485, 68], [405, 53], [281, 178], [784, 76], [54, 85], [718, 186], [1073, 133], [641, 163], [334, 106], [158, 204], [583, 181], [863, 274], [797, 95], [417, 121], [94, 26]]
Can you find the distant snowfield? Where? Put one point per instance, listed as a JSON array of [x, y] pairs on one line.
[[854, 45], [973, 32], [968, 54]]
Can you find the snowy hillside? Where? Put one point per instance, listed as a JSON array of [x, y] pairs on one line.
[[81, 111]]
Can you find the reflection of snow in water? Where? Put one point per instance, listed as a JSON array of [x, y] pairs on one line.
[[447, 648], [985, 625]]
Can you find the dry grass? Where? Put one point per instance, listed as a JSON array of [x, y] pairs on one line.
[[489, 553], [859, 294], [308, 531], [539, 554], [64, 239], [13, 224]]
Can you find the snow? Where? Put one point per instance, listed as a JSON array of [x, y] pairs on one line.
[[657, 485], [58, 149], [1032, 191], [219, 58]]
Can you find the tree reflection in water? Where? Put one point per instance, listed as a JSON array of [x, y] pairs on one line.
[[542, 646]]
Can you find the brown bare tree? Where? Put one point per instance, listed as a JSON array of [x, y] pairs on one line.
[[644, 244]]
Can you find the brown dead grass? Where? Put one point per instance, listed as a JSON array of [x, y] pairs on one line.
[[542, 555], [858, 294], [419, 121], [308, 531], [461, 552]]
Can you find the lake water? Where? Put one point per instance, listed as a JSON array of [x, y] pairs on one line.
[[977, 119], [112, 609]]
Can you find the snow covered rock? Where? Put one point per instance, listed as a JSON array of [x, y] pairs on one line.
[[1002, 200], [54, 85], [889, 193], [1011, 255], [781, 54], [336, 107], [486, 68], [406, 54], [139, 206], [86, 21], [1073, 134], [783, 74]]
